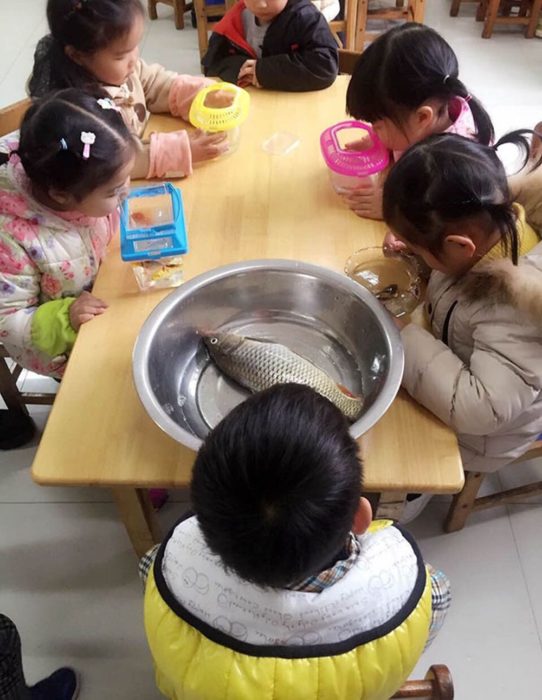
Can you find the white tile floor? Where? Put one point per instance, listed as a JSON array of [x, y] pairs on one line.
[[67, 574]]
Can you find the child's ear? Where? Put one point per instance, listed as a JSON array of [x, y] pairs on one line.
[[363, 517], [74, 55], [460, 246], [59, 197], [424, 119]]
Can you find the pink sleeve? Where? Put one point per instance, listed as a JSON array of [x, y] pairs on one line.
[[170, 155], [183, 90]]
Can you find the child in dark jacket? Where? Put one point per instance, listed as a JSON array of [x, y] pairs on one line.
[[274, 44]]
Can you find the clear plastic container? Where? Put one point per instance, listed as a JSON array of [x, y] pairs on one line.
[[394, 278], [353, 154], [160, 273]]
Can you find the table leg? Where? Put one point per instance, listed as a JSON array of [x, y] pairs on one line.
[[137, 514], [390, 505]]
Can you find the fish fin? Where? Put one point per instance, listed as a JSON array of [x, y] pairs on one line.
[[348, 393]]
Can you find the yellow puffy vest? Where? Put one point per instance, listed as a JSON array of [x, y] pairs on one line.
[[195, 662]]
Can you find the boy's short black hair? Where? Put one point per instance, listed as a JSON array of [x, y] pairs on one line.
[[276, 486]]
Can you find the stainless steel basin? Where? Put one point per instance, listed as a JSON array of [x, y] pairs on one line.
[[319, 313]]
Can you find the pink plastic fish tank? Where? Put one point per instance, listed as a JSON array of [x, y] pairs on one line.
[[353, 154]]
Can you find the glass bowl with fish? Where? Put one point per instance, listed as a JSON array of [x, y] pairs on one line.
[[392, 277], [247, 326]]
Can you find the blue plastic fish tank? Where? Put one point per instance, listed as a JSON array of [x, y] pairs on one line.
[[153, 235]]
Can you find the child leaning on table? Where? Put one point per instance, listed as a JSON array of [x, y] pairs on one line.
[[280, 577], [406, 83], [95, 43], [479, 367], [274, 44], [61, 181]]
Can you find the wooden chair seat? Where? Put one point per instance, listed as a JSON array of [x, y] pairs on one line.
[[179, 8], [466, 502]]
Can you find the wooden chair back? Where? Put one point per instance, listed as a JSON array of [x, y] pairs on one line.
[[12, 116], [412, 11], [179, 8], [347, 61], [349, 25], [205, 25]]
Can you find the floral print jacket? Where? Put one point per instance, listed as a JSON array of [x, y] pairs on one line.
[[45, 257]]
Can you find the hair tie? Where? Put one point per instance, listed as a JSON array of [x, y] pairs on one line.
[[88, 138], [446, 78], [107, 103], [468, 98], [63, 145]]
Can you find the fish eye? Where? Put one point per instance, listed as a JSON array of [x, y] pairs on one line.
[[214, 341]]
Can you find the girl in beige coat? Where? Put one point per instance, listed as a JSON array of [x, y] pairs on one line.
[[479, 367], [94, 44]]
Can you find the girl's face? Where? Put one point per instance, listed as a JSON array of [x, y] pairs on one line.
[[417, 125], [113, 64], [104, 199]]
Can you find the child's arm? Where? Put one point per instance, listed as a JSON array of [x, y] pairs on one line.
[[25, 324], [313, 66], [168, 92], [502, 379], [218, 62]]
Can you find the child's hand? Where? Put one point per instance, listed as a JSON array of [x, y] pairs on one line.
[[206, 146], [247, 74], [401, 321], [219, 98], [393, 244], [84, 308], [366, 201], [361, 144]]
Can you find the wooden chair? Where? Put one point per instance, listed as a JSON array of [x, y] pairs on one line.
[[498, 12], [204, 24], [510, 12], [437, 685], [349, 26], [10, 119], [347, 61], [412, 11], [466, 501], [179, 8]]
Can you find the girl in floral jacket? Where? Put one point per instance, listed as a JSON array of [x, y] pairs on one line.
[[61, 181]]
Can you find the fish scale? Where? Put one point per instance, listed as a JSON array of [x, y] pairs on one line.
[[260, 364]]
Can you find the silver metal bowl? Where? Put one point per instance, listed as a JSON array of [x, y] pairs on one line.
[[319, 313]]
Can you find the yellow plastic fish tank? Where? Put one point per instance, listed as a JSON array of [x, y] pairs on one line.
[[226, 118], [153, 235]]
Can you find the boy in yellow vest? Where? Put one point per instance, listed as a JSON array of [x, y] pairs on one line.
[[280, 586]]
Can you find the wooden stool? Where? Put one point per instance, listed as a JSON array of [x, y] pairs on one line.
[[179, 8], [413, 11], [528, 13], [466, 502]]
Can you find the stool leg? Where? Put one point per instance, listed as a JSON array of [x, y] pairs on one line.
[[492, 11], [535, 14], [481, 11], [152, 9], [463, 502], [454, 9], [179, 8]]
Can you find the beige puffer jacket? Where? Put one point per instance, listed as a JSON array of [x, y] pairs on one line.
[[480, 370]]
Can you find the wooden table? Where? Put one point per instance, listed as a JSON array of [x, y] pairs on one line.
[[247, 205]]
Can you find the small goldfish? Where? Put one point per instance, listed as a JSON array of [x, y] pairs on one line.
[[259, 364]]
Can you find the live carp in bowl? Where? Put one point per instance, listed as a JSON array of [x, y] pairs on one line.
[[258, 364]]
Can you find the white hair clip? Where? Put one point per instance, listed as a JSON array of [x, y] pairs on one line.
[[107, 103], [88, 138]]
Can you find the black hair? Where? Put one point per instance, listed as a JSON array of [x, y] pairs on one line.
[[87, 26], [276, 485], [448, 179], [402, 69], [51, 146]]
